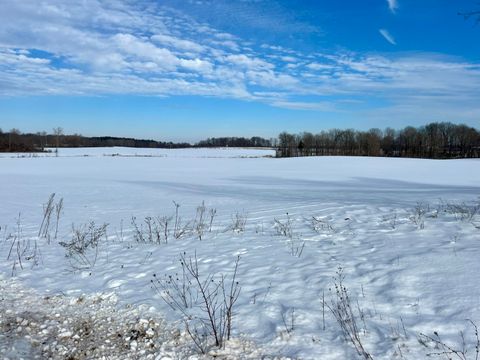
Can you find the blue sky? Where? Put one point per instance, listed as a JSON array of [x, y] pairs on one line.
[[184, 70]]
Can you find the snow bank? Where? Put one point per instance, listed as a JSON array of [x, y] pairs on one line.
[[35, 326]]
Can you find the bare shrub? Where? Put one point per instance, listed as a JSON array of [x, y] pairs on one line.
[[347, 318], [164, 223], [451, 351], [84, 238], [200, 223], [177, 290], [419, 213], [119, 234], [283, 228], [320, 225], [203, 220], [462, 211], [22, 249], [239, 222], [153, 230], [391, 219], [50, 208], [179, 230], [206, 302], [296, 247], [288, 320], [212, 213], [58, 213], [137, 231]]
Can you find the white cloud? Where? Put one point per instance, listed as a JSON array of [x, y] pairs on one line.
[[288, 59], [178, 44], [318, 66], [14, 57], [271, 79], [133, 46], [248, 62], [392, 5], [100, 47], [389, 37], [298, 105], [201, 66]]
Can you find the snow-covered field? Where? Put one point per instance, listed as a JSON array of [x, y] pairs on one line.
[[148, 152], [404, 231]]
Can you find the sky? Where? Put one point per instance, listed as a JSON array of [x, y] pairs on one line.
[[184, 70]]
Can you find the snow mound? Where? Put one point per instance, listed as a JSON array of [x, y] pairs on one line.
[[33, 326]]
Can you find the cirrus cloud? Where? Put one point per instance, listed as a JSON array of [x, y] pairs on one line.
[[392, 5], [389, 37]]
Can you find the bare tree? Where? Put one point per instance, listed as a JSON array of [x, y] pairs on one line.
[[42, 137], [13, 138], [58, 131], [475, 14], [435, 140]]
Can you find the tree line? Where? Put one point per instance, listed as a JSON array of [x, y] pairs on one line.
[[436, 140], [16, 141], [235, 142]]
